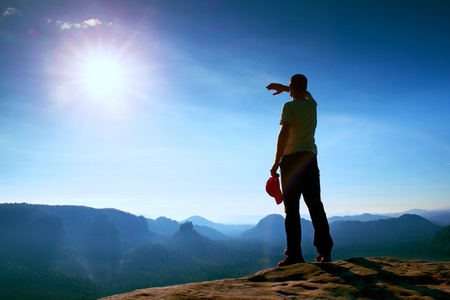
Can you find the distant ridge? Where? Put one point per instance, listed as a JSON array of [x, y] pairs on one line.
[[227, 229], [198, 220], [405, 228], [363, 218], [163, 226], [439, 217], [270, 229]]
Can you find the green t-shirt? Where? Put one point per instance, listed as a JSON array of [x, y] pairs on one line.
[[302, 115]]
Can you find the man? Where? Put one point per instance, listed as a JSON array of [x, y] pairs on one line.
[[296, 155]]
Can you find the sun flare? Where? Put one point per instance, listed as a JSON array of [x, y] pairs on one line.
[[97, 77], [101, 76]]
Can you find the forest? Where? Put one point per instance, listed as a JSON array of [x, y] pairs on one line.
[[75, 252]]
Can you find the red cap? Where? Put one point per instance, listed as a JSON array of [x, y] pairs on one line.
[[273, 189]]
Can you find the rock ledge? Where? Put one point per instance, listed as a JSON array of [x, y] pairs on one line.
[[355, 278]]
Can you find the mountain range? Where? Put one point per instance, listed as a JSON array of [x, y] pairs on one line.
[[439, 217], [166, 226], [68, 249]]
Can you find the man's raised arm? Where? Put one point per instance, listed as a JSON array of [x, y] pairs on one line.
[[279, 88]]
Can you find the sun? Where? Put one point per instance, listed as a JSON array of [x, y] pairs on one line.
[[101, 76], [98, 79]]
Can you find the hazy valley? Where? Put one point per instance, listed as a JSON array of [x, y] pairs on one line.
[[73, 252]]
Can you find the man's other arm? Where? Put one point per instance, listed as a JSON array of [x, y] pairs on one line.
[[283, 137]]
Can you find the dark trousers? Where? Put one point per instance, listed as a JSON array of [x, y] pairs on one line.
[[300, 176]]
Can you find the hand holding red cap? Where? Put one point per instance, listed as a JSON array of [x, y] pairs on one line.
[[273, 189]]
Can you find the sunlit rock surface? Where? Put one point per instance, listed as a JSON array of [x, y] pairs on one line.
[[356, 278]]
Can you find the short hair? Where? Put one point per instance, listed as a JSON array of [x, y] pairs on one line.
[[298, 83]]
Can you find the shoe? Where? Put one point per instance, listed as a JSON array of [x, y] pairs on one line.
[[323, 258], [291, 260]]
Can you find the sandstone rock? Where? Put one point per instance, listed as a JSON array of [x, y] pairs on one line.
[[355, 278]]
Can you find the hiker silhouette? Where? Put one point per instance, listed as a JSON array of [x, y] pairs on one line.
[[296, 156]]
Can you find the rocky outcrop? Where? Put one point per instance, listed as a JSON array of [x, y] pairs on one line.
[[356, 278]]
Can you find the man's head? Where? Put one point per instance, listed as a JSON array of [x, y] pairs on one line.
[[298, 84]]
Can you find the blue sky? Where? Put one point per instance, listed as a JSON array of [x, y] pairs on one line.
[[159, 108]]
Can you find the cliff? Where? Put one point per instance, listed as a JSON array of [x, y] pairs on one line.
[[355, 278]]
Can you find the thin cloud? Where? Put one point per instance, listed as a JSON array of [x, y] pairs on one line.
[[63, 25], [11, 11], [85, 24], [90, 23]]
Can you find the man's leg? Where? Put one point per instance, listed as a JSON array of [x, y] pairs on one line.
[[311, 196], [291, 192], [292, 225]]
